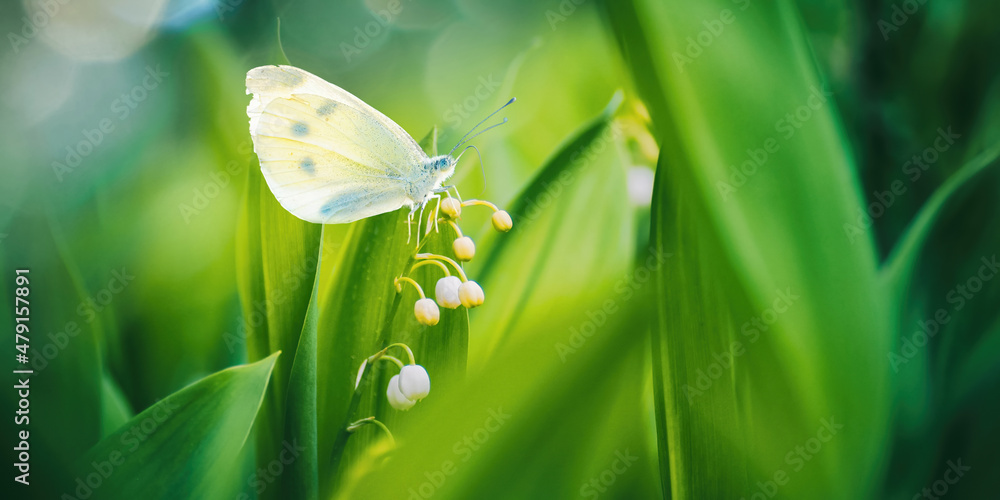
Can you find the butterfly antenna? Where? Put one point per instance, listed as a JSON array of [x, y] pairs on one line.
[[481, 132], [280, 47], [463, 139], [480, 155]]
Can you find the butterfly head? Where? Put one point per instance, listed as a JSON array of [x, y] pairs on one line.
[[441, 167]]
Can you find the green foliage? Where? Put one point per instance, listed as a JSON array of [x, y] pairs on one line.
[[189, 445], [797, 266], [725, 378], [521, 407], [276, 257]]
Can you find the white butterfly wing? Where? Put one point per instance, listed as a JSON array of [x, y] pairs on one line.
[[327, 156]]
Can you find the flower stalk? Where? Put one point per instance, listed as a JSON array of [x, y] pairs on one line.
[[354, 426]]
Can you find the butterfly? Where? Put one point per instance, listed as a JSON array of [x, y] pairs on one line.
[[329, 158]]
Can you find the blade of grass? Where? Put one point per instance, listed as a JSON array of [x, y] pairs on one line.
[[767, 243], [361, 313], [944, 332], [195, 434]]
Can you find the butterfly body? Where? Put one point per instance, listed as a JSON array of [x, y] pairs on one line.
[[436, 171], [330, 158]]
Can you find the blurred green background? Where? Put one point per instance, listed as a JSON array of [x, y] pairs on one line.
[[614, 308]]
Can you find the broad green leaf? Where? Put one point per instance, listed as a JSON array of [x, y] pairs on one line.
[[187, 445], [771, 328], [360, 313], [353, 324], [577, 206], [301, 477], [64, 350], [940, 282], [574, 402], [276, 260], [527, 425], [115, 408]]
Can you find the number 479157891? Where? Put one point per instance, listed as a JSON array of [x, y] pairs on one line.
[[21, 311]]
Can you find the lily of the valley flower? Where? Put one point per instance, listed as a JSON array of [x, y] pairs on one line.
[[446, 292], [414, 383], [471, 294], [465, 248], [451, 207], [501, 221], [451, 291], [426, 311], [406, 388], [396, 398]]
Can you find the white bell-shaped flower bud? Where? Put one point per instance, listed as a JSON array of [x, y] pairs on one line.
[[414, 382], [446, 292], [396, 398], [501, 221], [451, 207], [471, 294], [427, 312], [465, 248]]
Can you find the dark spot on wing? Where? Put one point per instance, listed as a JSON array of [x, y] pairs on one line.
[[329, 208], [300, 129], [309, 166], [326, 109], [287, 78]]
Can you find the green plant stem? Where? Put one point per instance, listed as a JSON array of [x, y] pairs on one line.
[[340, 442], [371, 420]]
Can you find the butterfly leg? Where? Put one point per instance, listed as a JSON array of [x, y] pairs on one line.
[[444, 189], [437, 207], [428, 229], [420, 218], [409, 226], [456, 194]]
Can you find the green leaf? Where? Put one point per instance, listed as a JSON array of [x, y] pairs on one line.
[[301, 476], [900, 268], [115, 408], [65, 350], [763, 271], [276, 259], [187, 445], [353, 323], [576, 206], [559, 424], [939, 279], [573, 398], [361, 312]]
